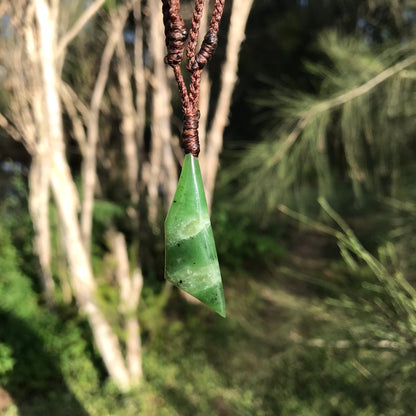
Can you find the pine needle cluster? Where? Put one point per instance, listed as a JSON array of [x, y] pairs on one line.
[[356, 129]]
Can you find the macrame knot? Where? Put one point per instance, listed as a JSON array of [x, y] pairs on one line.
[[190, 139], [176, 35], [208, 46]]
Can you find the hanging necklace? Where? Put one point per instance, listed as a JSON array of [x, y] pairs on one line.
[[191, 261]]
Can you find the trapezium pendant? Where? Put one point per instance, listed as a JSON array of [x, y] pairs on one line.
[[191, 261]]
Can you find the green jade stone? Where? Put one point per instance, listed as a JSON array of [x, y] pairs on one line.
[[191, 261]]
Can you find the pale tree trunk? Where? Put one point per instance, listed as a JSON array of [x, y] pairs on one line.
[[128, 123], [39, 174], [214, 140], [38, 110], [62, 268], [67, 202], [35, 83], [39, 212], [205, 88], [130, 283], [83, 281], [130, 289], [161, 174], [139, 78]]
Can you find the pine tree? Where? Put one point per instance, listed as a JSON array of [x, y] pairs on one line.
[[356, 128]]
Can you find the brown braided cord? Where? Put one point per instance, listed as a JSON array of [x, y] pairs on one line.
[[175, 38], [194, 31]]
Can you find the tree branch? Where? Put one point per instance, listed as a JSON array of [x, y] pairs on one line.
[[139, 76], [131, 285], [364, 88], [90, 162], [78, 103], [77, 125], [214, 141], [77, 27], [128, 122], [10, 129], [339, 100]]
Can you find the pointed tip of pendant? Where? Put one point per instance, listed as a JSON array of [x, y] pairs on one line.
[[212, 297], [220, 306], [215, 300], [221, 312]]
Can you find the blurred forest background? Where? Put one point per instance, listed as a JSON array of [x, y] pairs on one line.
[[308, 135]]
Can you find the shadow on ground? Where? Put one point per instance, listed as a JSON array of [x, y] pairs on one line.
[[35, 370]]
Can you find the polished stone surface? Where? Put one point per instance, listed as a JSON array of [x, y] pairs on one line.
[[191, 261]]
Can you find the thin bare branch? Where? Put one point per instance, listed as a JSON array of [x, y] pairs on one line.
[[78, 25], [90, 160], [77, 124], [128, 123], [293, 136], [9, 128], [139, 76], [79, 105]]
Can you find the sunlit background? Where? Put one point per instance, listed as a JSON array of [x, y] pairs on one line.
[[308, 145]]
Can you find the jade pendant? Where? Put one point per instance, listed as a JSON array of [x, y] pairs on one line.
[[191, 261]]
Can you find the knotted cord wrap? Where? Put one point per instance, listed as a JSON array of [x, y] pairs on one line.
[[208, 46], [190, 139], [175, 33], [175, 39]]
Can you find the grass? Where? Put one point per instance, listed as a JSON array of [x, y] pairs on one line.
[[291, 346]]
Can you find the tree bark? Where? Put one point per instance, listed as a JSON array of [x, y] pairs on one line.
[[130, 289], [65, 196], [39, 212], [77, 124], [37, 133], [161, 175], [33, 75], [128, 123], [139, 78], [90, 160], [214, 142]]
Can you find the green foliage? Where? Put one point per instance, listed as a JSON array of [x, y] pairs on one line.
[[280, 351], [241, 238], [194, 374], [16, 289], [14, 215], [38, 350], [339, 341], [388, 295], [105, 212], [357, 127], [371, 323], [6, 361]]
